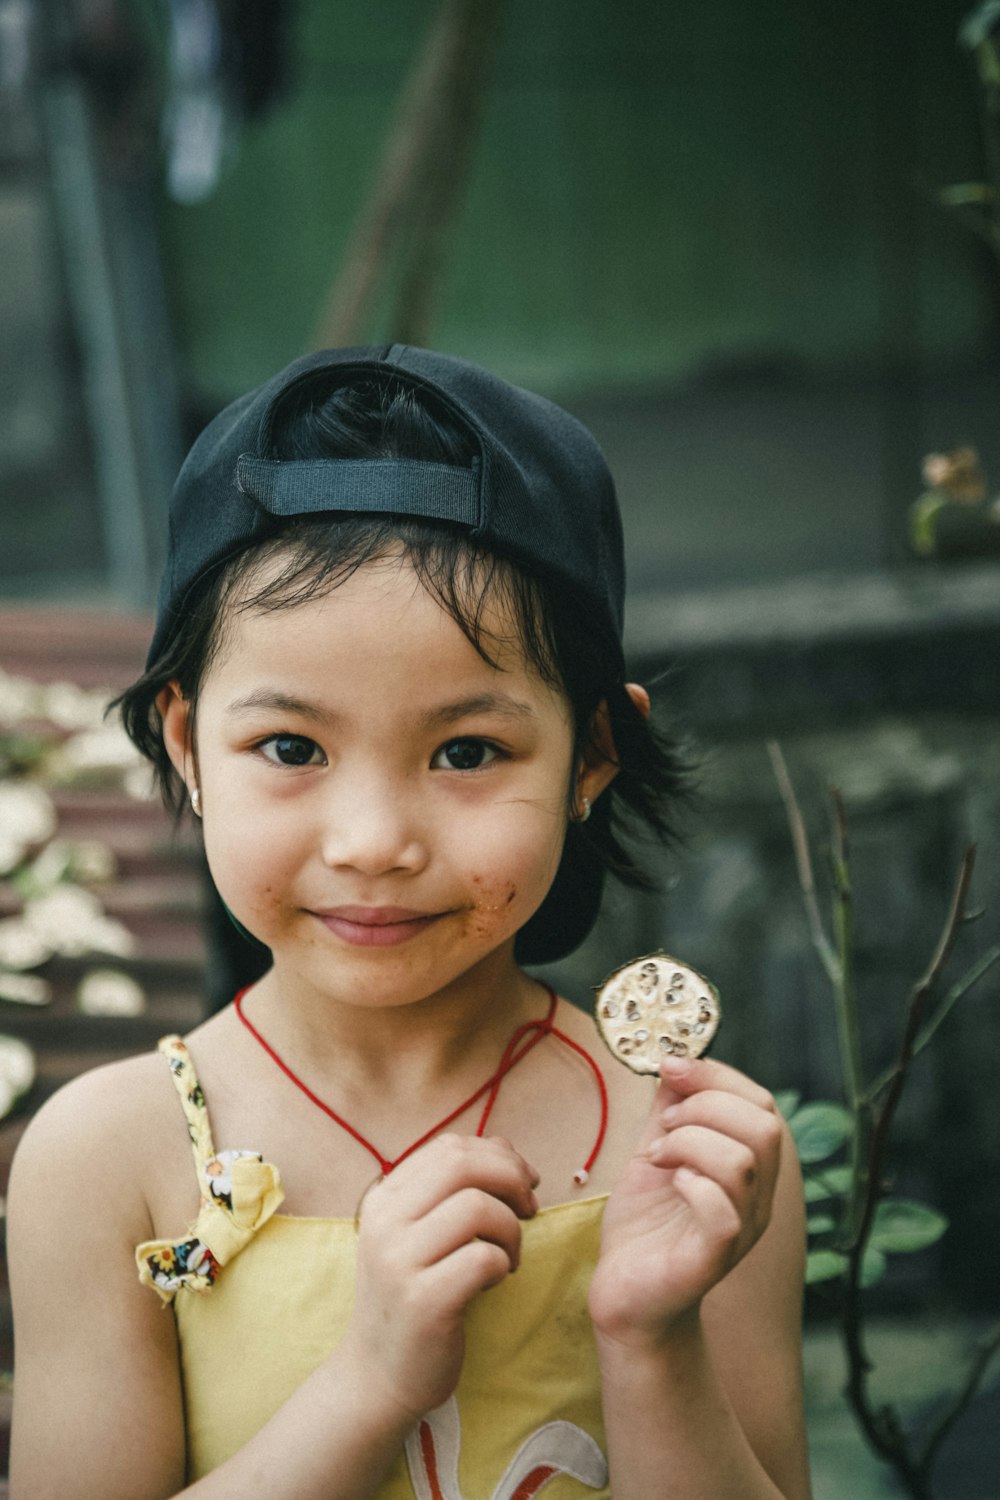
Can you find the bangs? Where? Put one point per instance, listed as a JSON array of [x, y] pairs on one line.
[[497, 608]]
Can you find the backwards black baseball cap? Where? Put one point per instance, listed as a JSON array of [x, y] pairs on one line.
[[538, 490]]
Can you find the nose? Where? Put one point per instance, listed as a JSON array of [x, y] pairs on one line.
[[373, 827]]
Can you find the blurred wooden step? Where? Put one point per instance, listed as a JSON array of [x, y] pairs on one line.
[[163, 890], [93, 648], [63, 1023], [139, 833], [157, 893]]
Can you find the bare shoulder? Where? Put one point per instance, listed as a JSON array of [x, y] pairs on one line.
[[101, 1142], [92, 1344], [97, 1105]]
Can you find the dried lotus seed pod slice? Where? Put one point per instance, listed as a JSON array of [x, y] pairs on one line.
[[656, 1007]]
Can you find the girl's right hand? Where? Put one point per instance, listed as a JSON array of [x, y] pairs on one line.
[[444, 1226]]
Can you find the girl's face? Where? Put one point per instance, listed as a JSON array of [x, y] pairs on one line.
[[383, 808]]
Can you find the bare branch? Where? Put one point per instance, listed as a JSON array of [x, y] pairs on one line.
[[952, 927], [926, 1034], [803, 862], [884, 1430], [915, 1014]]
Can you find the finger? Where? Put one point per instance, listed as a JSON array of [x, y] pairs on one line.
[[730, 1163], [690, 1075], [685, 1078], [451, 1284], [718, 1220], [730, 1115], [466, 1216], [444, 1167]]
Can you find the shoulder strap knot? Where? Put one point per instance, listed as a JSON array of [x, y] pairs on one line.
[[239, 1193]]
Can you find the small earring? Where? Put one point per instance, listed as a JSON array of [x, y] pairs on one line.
[[582, 816], [196, 801]]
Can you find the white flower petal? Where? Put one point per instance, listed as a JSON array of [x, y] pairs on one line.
[[140, 783], [21, 946], [12, 853], [25, 989], [93, 861], [19, 699], [72, 922], [72, 707], [51, 865], [95, 752], [108, 992], [17, 1065], [113, 938], [27, 813], [66, 908]]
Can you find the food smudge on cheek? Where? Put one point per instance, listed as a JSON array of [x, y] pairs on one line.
[[263, 906], [489, 913]]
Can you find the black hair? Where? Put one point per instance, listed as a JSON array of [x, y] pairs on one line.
[[385, 417]]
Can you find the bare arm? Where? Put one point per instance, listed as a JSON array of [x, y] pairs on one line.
[[98, 1410], [697, 1302]]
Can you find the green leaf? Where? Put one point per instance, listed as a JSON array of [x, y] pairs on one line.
[[820, 1129], [824, 1265], [820, 1223], [873, 1266], [904, 1225], [787, 1102], [959, 194], [830, 1265], [830, 1182], [977, 26]]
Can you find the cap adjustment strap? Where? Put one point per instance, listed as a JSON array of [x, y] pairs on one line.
[[294, 487]]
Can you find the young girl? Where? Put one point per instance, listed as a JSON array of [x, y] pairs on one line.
[[434, 1242]]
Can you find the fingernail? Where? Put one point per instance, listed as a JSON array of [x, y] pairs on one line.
[[675, 1067], [670, 1115], [655, 1147]]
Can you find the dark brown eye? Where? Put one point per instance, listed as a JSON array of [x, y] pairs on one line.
[[291, 749], [464, 755]]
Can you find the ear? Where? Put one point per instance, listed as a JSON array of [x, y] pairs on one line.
[[640, 698], [178, 733], [599, 764]]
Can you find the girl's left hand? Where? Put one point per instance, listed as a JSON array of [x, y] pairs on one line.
[[691, 1202]]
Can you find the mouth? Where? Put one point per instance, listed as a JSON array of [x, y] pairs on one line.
[[375, 926]]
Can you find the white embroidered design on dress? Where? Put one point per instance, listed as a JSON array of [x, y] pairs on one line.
[[557, 1448]]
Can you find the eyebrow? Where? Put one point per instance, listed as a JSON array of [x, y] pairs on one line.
[[282, 703], [501, 704]]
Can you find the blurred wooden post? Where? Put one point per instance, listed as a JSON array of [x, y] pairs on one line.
[[416, 188]]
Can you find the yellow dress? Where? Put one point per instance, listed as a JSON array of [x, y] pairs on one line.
[[261, 1298]]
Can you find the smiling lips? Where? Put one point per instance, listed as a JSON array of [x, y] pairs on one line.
[[375, 926]]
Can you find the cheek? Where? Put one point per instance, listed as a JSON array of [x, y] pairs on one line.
[[494, 907], [515, 885], [248, 871]]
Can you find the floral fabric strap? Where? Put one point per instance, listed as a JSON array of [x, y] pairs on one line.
[[239, 1192]]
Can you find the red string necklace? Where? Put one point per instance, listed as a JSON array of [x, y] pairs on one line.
[[521, 1043]]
